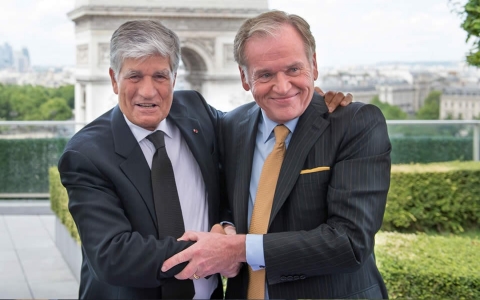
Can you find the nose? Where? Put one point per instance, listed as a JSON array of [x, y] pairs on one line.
[[282, 83], [147, 88]]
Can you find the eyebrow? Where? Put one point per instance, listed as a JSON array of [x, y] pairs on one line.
[[164, 72], [296, 64]]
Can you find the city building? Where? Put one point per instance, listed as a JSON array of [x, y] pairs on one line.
[[18, 61], [460, 103], [6, 56]]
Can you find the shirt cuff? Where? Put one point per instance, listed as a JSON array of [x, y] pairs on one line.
[[254, 250]]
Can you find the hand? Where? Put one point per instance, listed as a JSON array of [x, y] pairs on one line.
[[212, 253], [225, 229], [334, 99]]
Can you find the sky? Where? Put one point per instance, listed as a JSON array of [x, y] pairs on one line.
[[347, 32]]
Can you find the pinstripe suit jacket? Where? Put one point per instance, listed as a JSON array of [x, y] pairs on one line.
[[320, 241]]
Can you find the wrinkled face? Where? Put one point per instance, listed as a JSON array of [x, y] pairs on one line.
[[145, 90], [279, 74]]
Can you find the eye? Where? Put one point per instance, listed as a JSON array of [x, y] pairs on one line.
[[265, 77], [160, 77], [294, 70], [134, 77]]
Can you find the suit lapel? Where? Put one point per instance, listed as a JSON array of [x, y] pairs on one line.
[[247, 132], [197, 143], [135, 166], [309, 128]]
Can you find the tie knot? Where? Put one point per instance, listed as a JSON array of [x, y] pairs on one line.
[[281, 133], [157, 138]]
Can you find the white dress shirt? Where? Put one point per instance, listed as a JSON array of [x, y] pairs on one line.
[[192, 192]]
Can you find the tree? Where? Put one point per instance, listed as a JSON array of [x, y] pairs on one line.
[[66, 92], [28, 102], [391, 112], [431, 107], [471, 24], [55, 109]]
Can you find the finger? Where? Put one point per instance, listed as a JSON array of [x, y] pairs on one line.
[[188, 236], [187, 272], [329, 96], [217, 228], [319, 90], [348, 99], [176, 259], [339, 97], [230, 230]]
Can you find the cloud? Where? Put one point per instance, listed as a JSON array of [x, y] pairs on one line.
[[347, 31], [365, 32], [42, 26]]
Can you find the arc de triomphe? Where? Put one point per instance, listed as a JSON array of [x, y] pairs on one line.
[[206, 29]]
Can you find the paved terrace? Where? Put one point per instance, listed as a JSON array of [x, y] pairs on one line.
[[31, 267]]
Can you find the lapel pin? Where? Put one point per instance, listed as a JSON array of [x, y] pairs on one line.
[[195, 130]]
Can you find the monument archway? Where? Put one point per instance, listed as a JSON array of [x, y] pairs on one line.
[[206, 29]]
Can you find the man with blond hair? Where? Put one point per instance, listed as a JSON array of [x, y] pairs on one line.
[[307, 189]]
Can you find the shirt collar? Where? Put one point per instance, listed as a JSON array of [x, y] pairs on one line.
[[140, 133], [269, 125]]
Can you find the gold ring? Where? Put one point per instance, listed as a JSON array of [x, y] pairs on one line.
[[195, 276]]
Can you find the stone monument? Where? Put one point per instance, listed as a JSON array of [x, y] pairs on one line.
[[206, 29]]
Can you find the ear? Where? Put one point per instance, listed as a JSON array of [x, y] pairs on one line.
[[245, 84], [114, 81], [315, 68]]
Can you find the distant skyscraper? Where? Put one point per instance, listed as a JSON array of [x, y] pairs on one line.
[[6, 56], [22, 60], [18, 60]]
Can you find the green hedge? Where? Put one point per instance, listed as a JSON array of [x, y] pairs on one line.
[[418, 266], [24, 163], [443, 197], [425, 149], [413, 266], [59, 202]]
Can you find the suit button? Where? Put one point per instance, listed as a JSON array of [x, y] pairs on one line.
[[283, 278], [290, 278], [302, 277]]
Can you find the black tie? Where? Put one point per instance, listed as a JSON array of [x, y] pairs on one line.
[[168, 211]]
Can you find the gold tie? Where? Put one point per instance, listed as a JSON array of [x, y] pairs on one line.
[[263, 205]]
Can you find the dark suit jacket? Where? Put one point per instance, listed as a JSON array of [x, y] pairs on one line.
[[110, 199], [320, 240]]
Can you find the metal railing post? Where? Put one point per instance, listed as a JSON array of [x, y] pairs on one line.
[[476, 142]]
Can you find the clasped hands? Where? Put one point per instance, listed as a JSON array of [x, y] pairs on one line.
[[218, 251]]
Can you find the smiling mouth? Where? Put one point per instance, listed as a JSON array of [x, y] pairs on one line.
[[285, 98], [147, 105]]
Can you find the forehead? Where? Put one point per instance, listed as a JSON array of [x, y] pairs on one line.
[[147, 63], [285, 42]]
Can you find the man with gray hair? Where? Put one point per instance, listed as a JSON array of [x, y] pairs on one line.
[[307, 189], [144, 172]]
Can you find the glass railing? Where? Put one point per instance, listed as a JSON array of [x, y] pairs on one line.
[[29, 148], [434, 140]]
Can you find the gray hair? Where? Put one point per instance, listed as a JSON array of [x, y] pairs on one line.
[[143, 38], [267, 24]]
